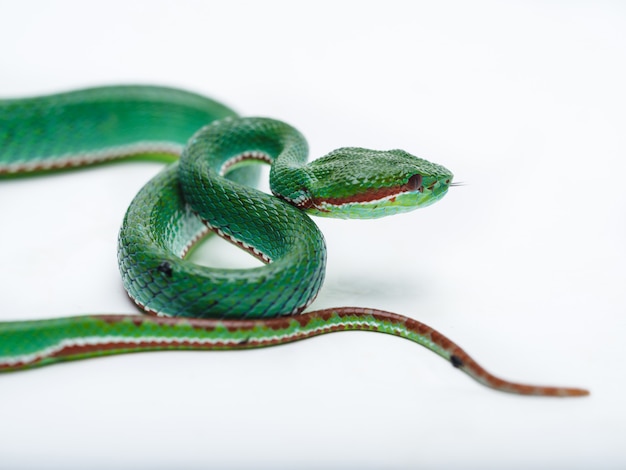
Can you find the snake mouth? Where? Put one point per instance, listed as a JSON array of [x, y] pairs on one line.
[[380, 202], [306, 201], [371, 195], [422, 187]]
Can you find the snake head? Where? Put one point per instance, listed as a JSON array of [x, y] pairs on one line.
[[367, 184]]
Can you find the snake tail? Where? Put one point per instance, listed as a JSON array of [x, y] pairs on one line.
[[72, 338]]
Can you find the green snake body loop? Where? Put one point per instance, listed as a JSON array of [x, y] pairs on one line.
[[150, 254], [210, 189]]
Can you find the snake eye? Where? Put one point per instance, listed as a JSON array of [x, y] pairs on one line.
[[415, 183]]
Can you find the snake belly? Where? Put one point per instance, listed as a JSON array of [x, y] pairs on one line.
[[210, 189]]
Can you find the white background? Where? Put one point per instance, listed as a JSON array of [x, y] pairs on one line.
[[523, 266]]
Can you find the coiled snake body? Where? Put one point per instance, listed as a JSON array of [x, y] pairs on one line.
[[210, 189]]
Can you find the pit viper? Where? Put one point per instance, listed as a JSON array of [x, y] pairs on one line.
[[210, 189]]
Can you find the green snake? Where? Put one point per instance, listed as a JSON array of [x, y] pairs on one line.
[[211, 189]]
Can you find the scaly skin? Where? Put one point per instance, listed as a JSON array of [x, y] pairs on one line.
[[210, 189]]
